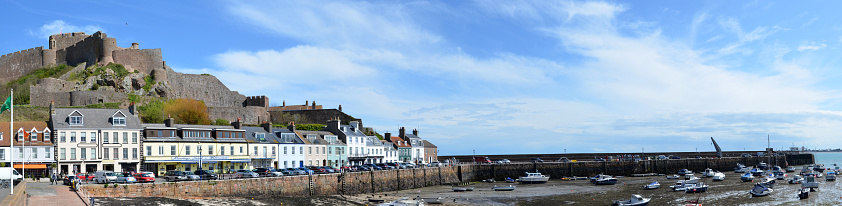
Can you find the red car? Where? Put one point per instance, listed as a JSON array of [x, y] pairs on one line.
[[317, 170], [144, 177], [84, 176]]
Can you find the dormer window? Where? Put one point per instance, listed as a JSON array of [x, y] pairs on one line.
[[260, 136], [20, 136], [47, 134], [33, 135], [76, 118], [311, 137], [120, 121]]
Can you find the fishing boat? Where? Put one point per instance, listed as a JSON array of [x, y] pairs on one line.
[[776, 169], [534, 178], [431, 200], [797, 179], [747, 177], [708, 173], [831, 176], [672, 176], [760, 191], [680, 186], [741, 168], [604, 180], [810, 181], [756, 172], [718, 176], [696, 188], [684, 172], [790, 169], [503, 188], [653, 185], [692, 180], [763, 165], [636, 200], [780, 175], [803, 193], [768, 182]]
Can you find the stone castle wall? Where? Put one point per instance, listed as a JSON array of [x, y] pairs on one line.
[[17, 64], [203, 87], [313, 116], [142, 60], [248, 115], [86, 51]]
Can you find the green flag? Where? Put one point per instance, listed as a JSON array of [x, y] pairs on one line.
[[7, 105]]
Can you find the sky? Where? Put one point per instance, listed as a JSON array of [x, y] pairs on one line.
[[504, 77]]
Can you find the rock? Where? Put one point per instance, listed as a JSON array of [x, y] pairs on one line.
[[137, 81]]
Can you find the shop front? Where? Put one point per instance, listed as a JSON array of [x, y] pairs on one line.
[[216, 164]]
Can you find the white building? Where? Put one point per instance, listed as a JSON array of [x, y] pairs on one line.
[[88, 140], [290, 148]]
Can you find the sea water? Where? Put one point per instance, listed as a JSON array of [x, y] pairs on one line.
[[829, 158]]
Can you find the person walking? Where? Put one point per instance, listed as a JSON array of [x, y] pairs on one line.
[[53, 178]]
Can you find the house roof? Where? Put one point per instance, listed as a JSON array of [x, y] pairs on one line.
[[160, 126], [295, 140], [25, 125], [372, 141], [351, 131], [93, 119], [251, 135], [319, 138], [427, 144]]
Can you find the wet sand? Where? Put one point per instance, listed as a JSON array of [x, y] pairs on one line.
[[732, 191]]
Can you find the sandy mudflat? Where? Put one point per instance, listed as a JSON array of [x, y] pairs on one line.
[[556, 192]]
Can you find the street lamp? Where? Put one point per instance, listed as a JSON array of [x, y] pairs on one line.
[[200, 156]]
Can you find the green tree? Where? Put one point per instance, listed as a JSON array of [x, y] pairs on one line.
[[152, 112], [222, 122], [187, 111]]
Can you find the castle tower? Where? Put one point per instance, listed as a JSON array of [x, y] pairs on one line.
[[108, 47]]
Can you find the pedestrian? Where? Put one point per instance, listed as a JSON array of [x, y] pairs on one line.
[[52, 178]]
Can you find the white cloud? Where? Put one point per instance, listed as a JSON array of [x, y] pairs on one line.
[[811, 46], [59, 26]]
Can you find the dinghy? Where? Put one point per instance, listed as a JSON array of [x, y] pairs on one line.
[[636, 200], [760, 191], [653, 185]]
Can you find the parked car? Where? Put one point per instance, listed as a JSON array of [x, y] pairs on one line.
[[287, 172], [316, 170], [192, 176], [105, 176], [563, 159], [335, 170], [206, 175], [263, 172], [150, 173], [69, 180], [125, 177], [85, 176], [347, 169], [144, 177], [372, 167], [360, 168], [328, 169], [246, 174], [306, 170], [675, 157], [296, 171], [396, 165], [411, 165], [385, 166], [537, 160], [174, 175]]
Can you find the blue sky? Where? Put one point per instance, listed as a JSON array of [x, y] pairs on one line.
[[504, 76]]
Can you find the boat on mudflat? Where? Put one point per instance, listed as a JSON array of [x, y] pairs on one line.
[[653, 185], [718, 176], [503, 188], [605, 180], [636, 200], [534, 178], [760, 191]]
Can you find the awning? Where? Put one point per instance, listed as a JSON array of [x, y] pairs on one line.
[[31, 166]]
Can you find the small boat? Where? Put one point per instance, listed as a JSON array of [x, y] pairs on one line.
[[653, 185], [403, 202], [534, 178], [503, 188], [762, 165], [803, 193], [796, 180], [681, 186], [831, 176], [460, 188], [692, 180], [790, 169], [776, 169], [708, 173], [756, 172], [684, 172], [741, 168], [431, 200], [810, 181], [636, 200], [718, 176], [696, 188], [768, 182], [760, 191], [779, 175], [510, 180], [605, 180], [469, 188], [747, 177], [672, 176], [689, 176]]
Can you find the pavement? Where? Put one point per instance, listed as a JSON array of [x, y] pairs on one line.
[[42, 193]]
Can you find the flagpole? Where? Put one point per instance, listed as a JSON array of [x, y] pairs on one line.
[[12, 145]]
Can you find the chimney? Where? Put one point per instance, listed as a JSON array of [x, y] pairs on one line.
[[388, 137], [340, 107], [306, 102], [284, 104], [314, 105], [402, 133], [291, 126], [52, 108], [267, 126], [333, 124], [169, 122], [132, 109], [237, 124], [415, 132]]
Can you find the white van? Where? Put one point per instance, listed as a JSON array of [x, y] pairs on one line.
[[105, 176], [9, 173]]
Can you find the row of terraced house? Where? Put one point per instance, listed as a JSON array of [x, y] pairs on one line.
[[85, 140]]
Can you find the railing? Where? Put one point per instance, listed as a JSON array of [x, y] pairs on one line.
[[83, 194]]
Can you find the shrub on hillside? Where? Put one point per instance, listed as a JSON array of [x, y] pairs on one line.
[[187, 111]]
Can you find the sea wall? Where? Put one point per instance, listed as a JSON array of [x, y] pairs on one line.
[[314, 185]]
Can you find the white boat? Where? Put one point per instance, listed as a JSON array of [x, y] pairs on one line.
[[672, 176], [756, 172], [679, 186], [776, 169], [760, 191], [741, 168], [803, 193], [534, 178], [718, 176], [762, 165], [831, 176], [460, 188], [810, 182], [605, 180], [692, 180], [636, 200], [747, 177], [403, 202], [431, 200], [708, 173], [503, 188], [696, 188], [684, 172], [653, 185], [790, 169], [768, 182], [796, 180], [780, 175]]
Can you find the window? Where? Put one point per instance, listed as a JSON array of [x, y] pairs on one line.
[[172, 150], [75, 120], [232, 150], [148, 150], [172, 133], [2, 154], [255, 150], [47, 152], [84, 152], [310, 149], [330, 150], [301, 150], [260, 136], [264, 152], [34, 153], [160, 150], [187, 150], [105, 137], [72, 136], [125, 153], [116, 139], [93, 153], [285, 150], [210, 149], [118, 121], [273, 151], [116, 153], [160, 133], [61, 153], [83, 137], [241, 149], [73, 153], [105, 154], [323, 150], [33, 136], [227, 135], [125, 137], [61, 136], [134, 153], [134, 137], [221, 150], [93, 137], [20, 136]]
